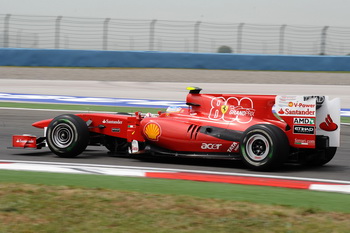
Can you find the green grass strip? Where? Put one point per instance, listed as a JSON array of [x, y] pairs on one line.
[[345, 119], [317, 201]]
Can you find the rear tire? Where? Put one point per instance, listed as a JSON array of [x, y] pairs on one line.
[[67, 135], [264, 147]]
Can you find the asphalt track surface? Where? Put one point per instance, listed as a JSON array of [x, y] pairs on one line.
[[106, 82], [170, 84]]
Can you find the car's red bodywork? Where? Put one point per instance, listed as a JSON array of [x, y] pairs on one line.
[[217, 125]]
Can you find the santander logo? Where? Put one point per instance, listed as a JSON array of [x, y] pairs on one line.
[[328, 124]]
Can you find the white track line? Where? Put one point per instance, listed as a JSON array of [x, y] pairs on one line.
[[112, 170], [95, 167]]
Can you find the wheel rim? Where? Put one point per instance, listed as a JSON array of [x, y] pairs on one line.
[[62, 135], [258, 147]]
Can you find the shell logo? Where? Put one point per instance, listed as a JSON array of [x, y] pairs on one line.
[[152, 131]]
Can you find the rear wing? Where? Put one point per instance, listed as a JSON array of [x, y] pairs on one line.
[[310, 117]]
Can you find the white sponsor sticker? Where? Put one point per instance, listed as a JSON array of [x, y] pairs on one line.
[[295, 106]]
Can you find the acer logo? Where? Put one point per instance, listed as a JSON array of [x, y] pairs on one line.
[[210, 146]]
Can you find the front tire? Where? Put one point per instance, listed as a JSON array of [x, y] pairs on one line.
[[264, 147], [67, 135]]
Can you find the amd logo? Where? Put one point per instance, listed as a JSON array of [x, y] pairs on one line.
[[304, 121]]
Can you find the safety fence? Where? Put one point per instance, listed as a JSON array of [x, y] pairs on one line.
[[57, 32]]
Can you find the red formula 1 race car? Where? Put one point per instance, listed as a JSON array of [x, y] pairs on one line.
[[262, 130]]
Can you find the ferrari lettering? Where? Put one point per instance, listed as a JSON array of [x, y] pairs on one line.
[[304, 142], [232, 109], [210, 146]]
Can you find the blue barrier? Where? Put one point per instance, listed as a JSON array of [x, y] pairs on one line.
[[144, 59]]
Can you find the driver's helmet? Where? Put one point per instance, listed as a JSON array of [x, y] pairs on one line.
[[173, 109]]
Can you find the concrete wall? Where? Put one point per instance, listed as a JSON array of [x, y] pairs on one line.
[[141, 59]]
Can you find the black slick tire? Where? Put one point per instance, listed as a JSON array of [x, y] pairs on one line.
[[264, 147], [67, 135]]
